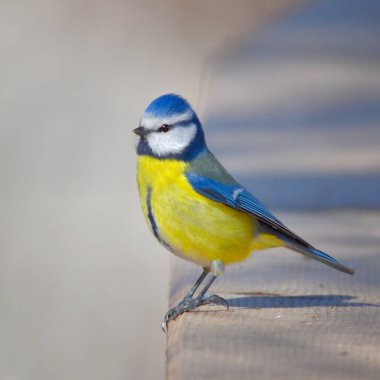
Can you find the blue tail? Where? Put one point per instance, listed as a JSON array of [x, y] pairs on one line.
[[322, 257], [303, 247]]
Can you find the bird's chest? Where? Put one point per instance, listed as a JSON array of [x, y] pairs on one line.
[[167, 199]]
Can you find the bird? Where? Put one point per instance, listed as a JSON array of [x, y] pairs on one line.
[[195, 208]]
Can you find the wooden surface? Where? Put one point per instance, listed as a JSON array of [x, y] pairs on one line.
[[289, 317]]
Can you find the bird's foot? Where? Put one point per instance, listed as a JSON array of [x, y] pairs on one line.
[[189, 304]]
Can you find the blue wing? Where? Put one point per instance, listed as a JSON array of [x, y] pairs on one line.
[[235, 196]]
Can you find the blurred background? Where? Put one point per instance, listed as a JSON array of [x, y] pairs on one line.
[[288, 91]]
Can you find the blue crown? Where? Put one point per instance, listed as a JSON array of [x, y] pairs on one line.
[[167, 105]]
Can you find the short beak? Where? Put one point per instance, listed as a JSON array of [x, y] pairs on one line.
[[140, 131]]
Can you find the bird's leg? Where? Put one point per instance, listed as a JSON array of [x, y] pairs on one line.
[[217, 267], [176, 310], [189, 303], [193, 289]]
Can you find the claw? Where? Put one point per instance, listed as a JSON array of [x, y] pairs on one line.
[[189, 304], [216, 300], [164, 326]]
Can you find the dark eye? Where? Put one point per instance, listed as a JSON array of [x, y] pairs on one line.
[[164, 128]]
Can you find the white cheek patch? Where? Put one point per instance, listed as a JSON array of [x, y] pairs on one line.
[[173, 142]]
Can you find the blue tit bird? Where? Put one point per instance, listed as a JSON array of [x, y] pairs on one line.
[[195, 208]]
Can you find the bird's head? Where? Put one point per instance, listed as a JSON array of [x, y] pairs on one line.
[[169, 128]]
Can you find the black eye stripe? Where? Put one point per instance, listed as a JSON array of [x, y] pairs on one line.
[[164, 128]]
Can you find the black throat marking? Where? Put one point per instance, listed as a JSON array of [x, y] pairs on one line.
[[152, 221]]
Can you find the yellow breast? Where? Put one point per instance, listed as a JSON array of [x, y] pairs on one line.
[[194, 227]]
